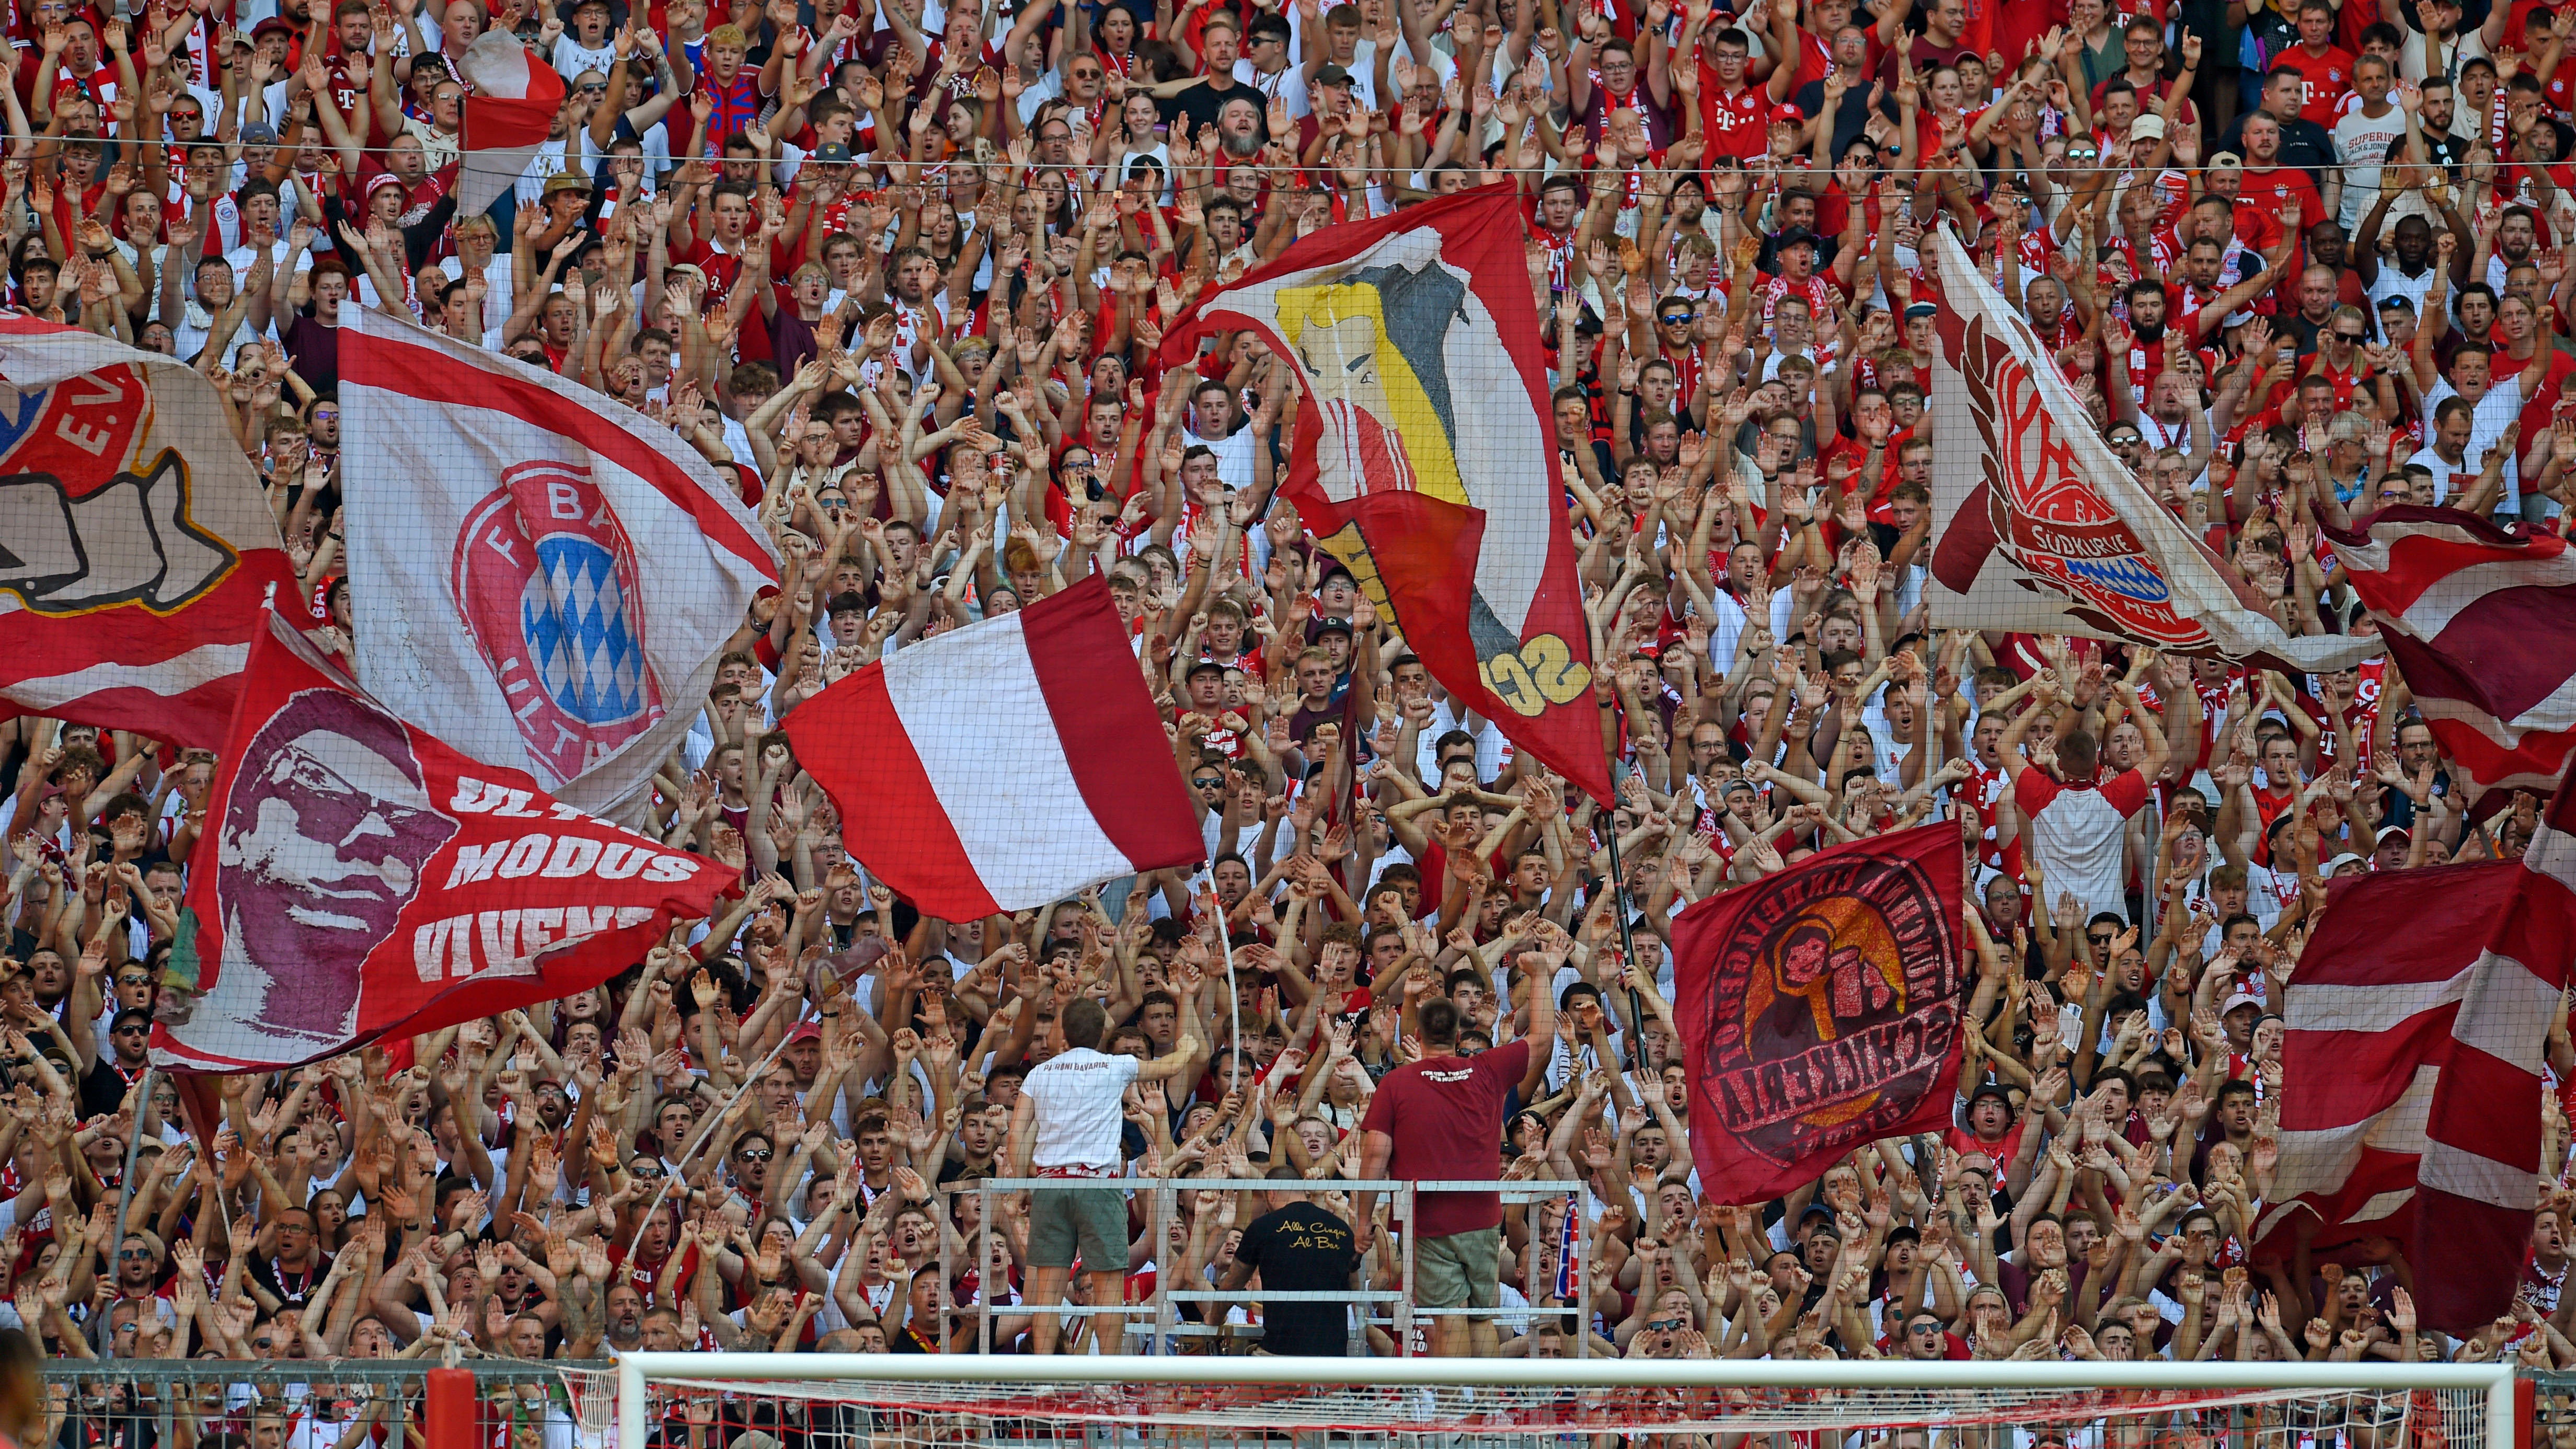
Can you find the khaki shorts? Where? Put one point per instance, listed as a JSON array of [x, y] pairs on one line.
[[1458, 1271], [1091, 1220]]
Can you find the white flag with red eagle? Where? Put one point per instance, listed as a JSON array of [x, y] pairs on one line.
[[500, 527], [508, 112]]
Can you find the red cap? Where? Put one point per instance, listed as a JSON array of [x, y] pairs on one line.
[[1788, 111]]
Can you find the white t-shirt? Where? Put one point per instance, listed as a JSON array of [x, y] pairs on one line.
[[1079, 1096]]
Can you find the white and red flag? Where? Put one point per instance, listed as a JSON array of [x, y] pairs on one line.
[[2478, 621], [136, 550], [2041, 528], [2411, 1107], [1002, 766], [501, 525], [509, 108], [362, 880]]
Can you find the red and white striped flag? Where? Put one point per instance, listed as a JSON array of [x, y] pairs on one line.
[[2410, 1108], [506, 116], [2478, 620], [1002, 766]]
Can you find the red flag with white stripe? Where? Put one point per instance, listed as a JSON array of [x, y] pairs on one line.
[[1005, 765], [2411, 1100], [505, 118], [2478, 619]]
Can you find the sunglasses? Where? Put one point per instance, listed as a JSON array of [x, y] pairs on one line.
[[1677, 319], [1207, 784], [2348, 337], [753, 1154]]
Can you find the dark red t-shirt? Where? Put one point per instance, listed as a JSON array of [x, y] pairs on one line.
[[1446, 1116]]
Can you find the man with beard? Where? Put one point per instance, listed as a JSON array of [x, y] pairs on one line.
[[1198, 101]]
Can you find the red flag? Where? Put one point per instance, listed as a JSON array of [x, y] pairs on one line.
[[2418, 1025], [367, 880], [1819, 1010], [135, 549], [1050, 695], [505, 119], [2478, 620], [1425, 459]]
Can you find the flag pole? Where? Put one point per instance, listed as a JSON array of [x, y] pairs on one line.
[[1627, 938], [133, 1151]]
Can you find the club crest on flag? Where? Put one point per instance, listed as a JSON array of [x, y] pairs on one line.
[[1845, 1007], [545, 582], [328, 830], [2045, 515]]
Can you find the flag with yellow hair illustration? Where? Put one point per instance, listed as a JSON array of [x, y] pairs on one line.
[[1424, 458]]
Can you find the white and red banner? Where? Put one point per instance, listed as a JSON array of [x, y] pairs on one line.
[[1005, 765], [2049, 532], [136, 549], [1424, 457], [2411, 1111], [501, 525], [2478, 620], [361, 879], [510, 103]]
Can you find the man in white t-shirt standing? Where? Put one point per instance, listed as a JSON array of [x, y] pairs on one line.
[[1068, 1125], [2076, 819]]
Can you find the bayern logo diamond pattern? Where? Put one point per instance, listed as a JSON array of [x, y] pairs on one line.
[[573, 614]]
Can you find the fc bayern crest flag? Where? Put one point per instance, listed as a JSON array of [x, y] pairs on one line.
[[1424, 456], [500, 527], [136, 551], [1820, 1009], [367, 881], [2043, 529]]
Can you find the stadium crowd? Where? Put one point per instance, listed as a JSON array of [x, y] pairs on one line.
[[902, 271]]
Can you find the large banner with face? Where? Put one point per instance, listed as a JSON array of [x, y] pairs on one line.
[[1820, 1009], [365, 880], [1424, 459], [2039, 527]]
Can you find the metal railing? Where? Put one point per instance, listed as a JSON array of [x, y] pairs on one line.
[[133, 1402], [1165, 1330]]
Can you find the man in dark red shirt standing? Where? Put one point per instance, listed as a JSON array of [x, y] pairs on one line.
[[1442, 1118]]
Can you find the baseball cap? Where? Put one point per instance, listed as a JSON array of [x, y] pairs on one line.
[[831, 153], [2400, 831], [1332, 75], [1788, 111], [2227, 158], [566, 181], [1794, 236], [1990, 1089], [2149, 127], [272, 23], [2241, 998], [2340, 861], [1921, 309], [805, 1031], [1332, 626], [259, 133]]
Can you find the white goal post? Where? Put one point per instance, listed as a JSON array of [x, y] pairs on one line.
[[973, 1398]]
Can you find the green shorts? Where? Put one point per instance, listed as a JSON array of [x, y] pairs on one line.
[[1091, 1220], [1458, 1271]]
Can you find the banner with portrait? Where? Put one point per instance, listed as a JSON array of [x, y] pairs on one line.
[[1820, 1009], [2040, 528], [365, 880], [1424, 459]]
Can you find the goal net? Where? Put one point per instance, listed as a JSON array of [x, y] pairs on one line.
[[700, 1401]]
